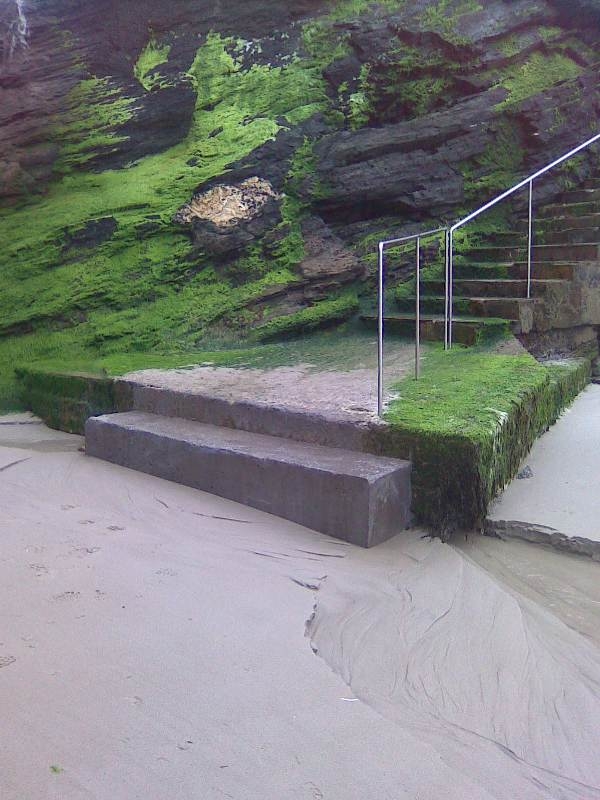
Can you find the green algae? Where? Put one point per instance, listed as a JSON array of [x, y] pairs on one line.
[[95, 109], [468, 423], [539, 73], [321, 314], [151, 57], [145, 287]]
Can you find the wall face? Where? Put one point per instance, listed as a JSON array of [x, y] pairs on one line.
[[362, 120]]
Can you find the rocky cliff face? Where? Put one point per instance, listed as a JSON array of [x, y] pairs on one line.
[[360, 120]]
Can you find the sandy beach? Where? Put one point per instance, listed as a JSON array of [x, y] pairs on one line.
[[157, 642]]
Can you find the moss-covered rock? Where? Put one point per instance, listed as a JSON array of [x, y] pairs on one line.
[[467, 424]]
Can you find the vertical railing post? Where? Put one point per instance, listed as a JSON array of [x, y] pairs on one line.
[[450, 285], [418, 313], [380, 335], [530, 239], [446, 296]]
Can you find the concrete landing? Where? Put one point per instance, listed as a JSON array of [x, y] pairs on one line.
[[352, 496], [557, 498]]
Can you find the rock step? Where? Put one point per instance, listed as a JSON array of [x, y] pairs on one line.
[[586, 251], [348, 430], [491, 287], [585, 195], [509, 308], [571, 235], [515, 270], [572, 209], [466, 331], [359, 498], [562, 221]]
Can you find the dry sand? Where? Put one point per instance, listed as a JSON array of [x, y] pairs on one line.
[[152, 645]]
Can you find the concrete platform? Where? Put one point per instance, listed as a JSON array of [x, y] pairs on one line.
[[359, 498], [557, 498]]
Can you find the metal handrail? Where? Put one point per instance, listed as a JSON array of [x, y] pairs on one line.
[[517, 187], [383, 246], [449, 263]]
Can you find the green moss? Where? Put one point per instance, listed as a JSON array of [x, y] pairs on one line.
[[496, 169], [445, 15], [539, 73], [151, 57], [95, 108], [144, 289], [468, 423], [64, 401], [322, 314]]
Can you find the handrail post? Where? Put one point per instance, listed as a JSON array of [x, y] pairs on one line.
[[380, 335], [530, 239], [418, 313], [446, 297], [450, 285]]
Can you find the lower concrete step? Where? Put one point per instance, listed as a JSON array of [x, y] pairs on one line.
[[360, 498]]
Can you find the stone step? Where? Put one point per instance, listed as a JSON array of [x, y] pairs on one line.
[[466, 331], [515, 270], [346, 429], [494, 287], [573, 252], [509, 308], [571, 236], [562, 221], [585, 195], [359, 498], [572, 209]]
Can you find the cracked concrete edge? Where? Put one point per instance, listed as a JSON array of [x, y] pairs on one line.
[[542, 534]]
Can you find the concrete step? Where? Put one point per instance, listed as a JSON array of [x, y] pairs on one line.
[[494, 287], [346, 429], [573, 252], [585, 195], [466, 331], [562, 221], [514, 271], [509, 308], [359, 498], [571, 209], [571, 236]]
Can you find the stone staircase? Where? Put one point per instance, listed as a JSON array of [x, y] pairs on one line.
[[490, 280], [304, 467]]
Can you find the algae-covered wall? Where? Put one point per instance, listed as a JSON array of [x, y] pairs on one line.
[[356, 118]]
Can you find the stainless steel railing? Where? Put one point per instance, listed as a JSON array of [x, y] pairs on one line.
[[383, 246], [449, 264], [508, 193]]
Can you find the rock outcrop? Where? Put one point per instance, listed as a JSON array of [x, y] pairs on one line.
[[363, 120]]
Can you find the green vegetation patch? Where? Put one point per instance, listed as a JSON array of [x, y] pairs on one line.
[[539, 73], [325, 313], [95, 108], [467, 424], [65, 400], [151, 57]]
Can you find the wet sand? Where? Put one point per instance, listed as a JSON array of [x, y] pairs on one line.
[[153, 644]]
